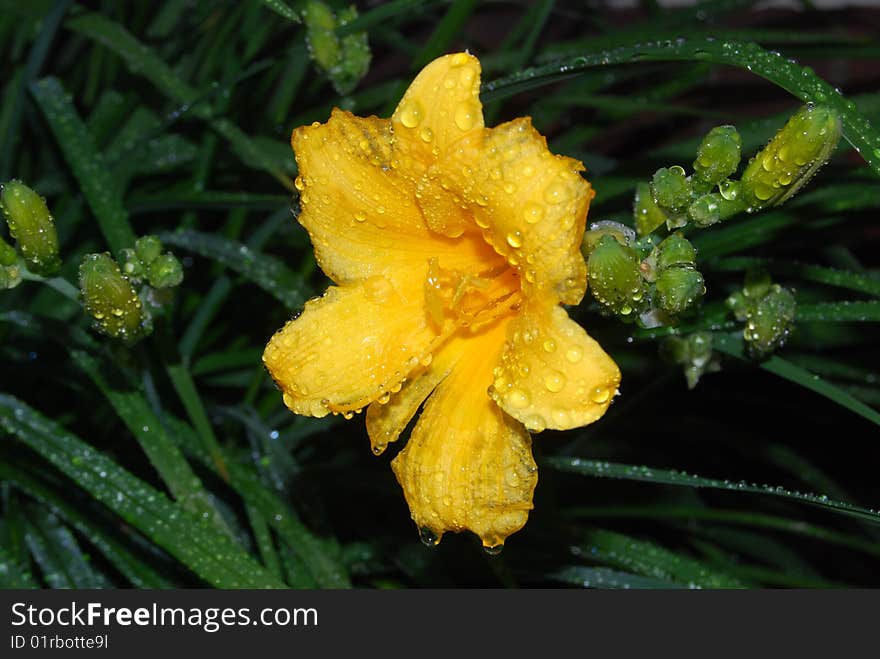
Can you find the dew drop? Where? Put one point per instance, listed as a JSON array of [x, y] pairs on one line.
[[493, 550], [514, 239], [600, 395], [411, 113], [466, 115], [554, 381], [428, 537], [533, 213], [574, 354], [518, 399]]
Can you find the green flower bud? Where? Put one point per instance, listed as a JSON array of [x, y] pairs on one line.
[[792, 157], [10, 272], [648, 215], [717, 157], [31, 224], [7, 254], [675, 250], [678, 288], [110, 299], [620, 232], [131, 264], [671, 189], [345, 61], [148, 249], [165, 271], [706, 210], [769, 325], [615, 278]]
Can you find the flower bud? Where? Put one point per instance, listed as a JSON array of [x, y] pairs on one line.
[[675, 250], [792, 157], [769, 323], [10, 272], [345, 61], [717, 157], [110, 299], [671, 189], [31, 224], [148, 248], [615, 278], [131, 265], [165, 271], [648, 215], [620, 232], [678, 288]]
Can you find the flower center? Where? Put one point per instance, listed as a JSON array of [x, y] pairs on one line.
[[456, 299]]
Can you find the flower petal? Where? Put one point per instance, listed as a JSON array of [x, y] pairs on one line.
[[551, 373], [385, 421], [532, 205], [468, 465], [349, 347], [441, 105], [360, 212]]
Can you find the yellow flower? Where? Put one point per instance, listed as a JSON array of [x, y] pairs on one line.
[[452, 247]]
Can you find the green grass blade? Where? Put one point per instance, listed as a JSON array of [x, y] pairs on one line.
[[57, 552], [98, 186], [732, 344], [195, 542], [652, 560], [854, 281], [603, 469], [142, 60], [147, 428], [266, 271], [13, 575], [138, 573], [282, 9], [603, 577], [800, 81], [837, 312]]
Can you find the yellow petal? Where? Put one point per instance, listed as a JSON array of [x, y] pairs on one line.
[[360, 212], [441, 105], [386, 420], [532, 205], [468, 465], [551, 373], [349, 347]]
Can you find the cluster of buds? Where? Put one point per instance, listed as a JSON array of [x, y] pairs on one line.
[[110, 292], [710, 194], [641, 279], [768, 311], [343, 60], [31, 225]]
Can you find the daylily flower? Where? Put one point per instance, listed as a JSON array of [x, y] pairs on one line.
[[452, 247]]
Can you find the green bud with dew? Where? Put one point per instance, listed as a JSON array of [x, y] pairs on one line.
[[32, 226], [718, 157], [110, 299], [615, 278], [678, 289], [675, 250], [792, 157], [770, 322], [10, 271], [131, 264], [671, 189], [647, 214], [165, 271], [148, 248], [345, 61]]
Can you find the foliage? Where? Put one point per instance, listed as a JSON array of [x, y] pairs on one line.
[[170, 460]]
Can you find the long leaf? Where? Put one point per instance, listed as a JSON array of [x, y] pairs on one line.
[[194, 541], [603, 469]]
